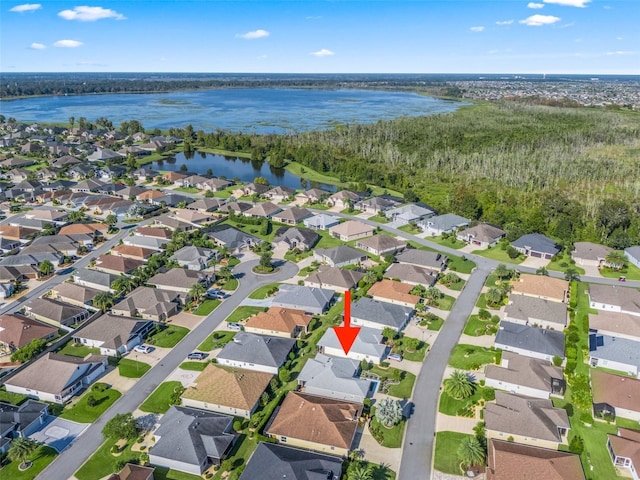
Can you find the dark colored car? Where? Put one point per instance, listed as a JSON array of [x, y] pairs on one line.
[[197, 356]]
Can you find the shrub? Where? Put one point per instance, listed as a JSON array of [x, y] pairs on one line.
[[557, 361], [576, 445]]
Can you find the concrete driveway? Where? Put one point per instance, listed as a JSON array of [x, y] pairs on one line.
[[59, 433]]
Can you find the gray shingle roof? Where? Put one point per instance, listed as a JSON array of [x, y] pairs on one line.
[[231, 237], [384, 313], [537, 242], [334, 375], [446, 222], [296, 235], [422, 258], [258, 349], [526, 371], [411, 273], [303, 298], [113, 330], [615, 349], [340, 254], [54, 310], [94, 276], [20, 416], [321, 221], [523, 307], [547, 342], [368, 342], [627, 299], [344, 279]]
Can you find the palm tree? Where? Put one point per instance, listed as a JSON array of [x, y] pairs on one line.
[[570, 274], [470, 452], [432, 294], [493, 296], [123, 284], [21, 449], [450, 278], [388, 412], [46, 267], [502, 271], [197, 291], [111, 219], [370, 277], [104, 301], [615, 259], [459, 385], [361, 471]]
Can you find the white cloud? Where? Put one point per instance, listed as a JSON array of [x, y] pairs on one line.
[[479, 28], [90, 14], [504, 22], [540, 20], [26, 7], [38, 46], [322, 53], [619, 38], [569, 3], [620, 52], [254, 35], [535, 6], [67, 43]]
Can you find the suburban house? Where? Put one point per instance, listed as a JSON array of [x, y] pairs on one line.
[[94, 229], [366, 312], [56, 313], [447, 223], [315, 301], [271, 460], [381, 244], [614, 353], [95, 279], [178, 280], [374, 205], [149, 303], [133, 472], [615, 395], [633, 255], [131, 251], [538, 312], [343, 199], [339, 256], [250, 189], [74, 294], [114, 334], [624, 449], [116, 264], [351, 230], [263, 210], [16, 331], [334, 278], [260, 353], [227, 390], [56, 378], [191, 440], [619, 325], [149, 243], [321, 221], [313, 195], [541, 286], [530, 341], [279, 322], [612, 298], [194, 258], [422, 258], [232, 238], [394, 292], [589, 254], [368, 346], [292, 215], [509, 460], [411, 213], [411, 274], [295, 238], [20, 421], [525, 376], [536, 245], [336, 378], [207, 204], [317, 423], [528, 420], [483, 235], [233, 207]]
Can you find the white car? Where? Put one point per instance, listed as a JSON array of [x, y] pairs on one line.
[[143, 349], [235, 326]]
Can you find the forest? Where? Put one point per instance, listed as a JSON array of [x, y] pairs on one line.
[[572, 173]]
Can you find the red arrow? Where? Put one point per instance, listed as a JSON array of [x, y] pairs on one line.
[[347, 334]]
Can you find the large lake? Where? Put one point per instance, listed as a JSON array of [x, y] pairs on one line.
[[275, 110]]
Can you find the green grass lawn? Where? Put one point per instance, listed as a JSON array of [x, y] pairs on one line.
[[307, 173], [76, 350], [566, 261], [210, 343], [410, 228], [476, 327], [451, 406], [195, 366], [206, 307], [457, 287], [482, 303], [232, 262], [446, 303], [187, 189], [159, 400], [42, 457], [414, 356], [378, 471], [296, 255], [132, 368], [450, 242], [162, 473], [401, 390], [81, 412], [230, 284], [12, 398], [445, 456], [243, 312], [263, 291], [327, 241], [103, 463], [472, 357], [392, 437], [379, 219], [631, 272], [496, 253], [168, 337], [431, 322]]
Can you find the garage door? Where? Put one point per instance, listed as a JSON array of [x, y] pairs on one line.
[[536, 254]]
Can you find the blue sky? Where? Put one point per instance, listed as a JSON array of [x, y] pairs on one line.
[[306, 36]]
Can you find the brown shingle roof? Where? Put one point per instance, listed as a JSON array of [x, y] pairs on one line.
[[229, 387], [155, 232], [525, 371], [615, 390], [279, 319], [16, 232], [132, 251], [115, 263], [75, 292], [19, 330], [316, 419], [352, 227], [615, 323], [388, 289], [150, 195], [541, 286], [626, 444], [381, 242], [133, 472], [513, 461], [89, 228], [335, 276]]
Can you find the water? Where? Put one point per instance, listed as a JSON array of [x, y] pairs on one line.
[[230, 167], [259, 110]]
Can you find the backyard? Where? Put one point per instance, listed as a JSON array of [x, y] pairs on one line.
[[77, 350]]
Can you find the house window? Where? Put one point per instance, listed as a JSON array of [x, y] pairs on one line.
[[283, 439]]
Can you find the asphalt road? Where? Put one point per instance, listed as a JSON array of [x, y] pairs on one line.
[[69, 461]]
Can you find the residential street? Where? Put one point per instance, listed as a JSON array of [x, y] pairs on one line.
[[66, 464]]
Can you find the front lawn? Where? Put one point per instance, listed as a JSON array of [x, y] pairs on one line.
[[445, 303], [473, 357], [132, 368], [206, 307], [476, 327], [411, 228], [496, 253], [216, 340], [187, 189], [464, 408], [450, 242], [378, 471], [77, 350], [42, 457], [326, 240], [103, 463], [12, 398], [81, 412], [431, 322], [243, 312], [630, 271], [230, 285], [391, 437], [379, 219], [563, 262], [296, 255], [413, 356], [168, 336], [195, 366], [160, 400], [446, 452], [264, 291]]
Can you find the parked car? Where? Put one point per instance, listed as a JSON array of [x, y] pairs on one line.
[[395, 356], [143, 349], [235, 326], [622, 279], [197, 356], [216, 294]]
